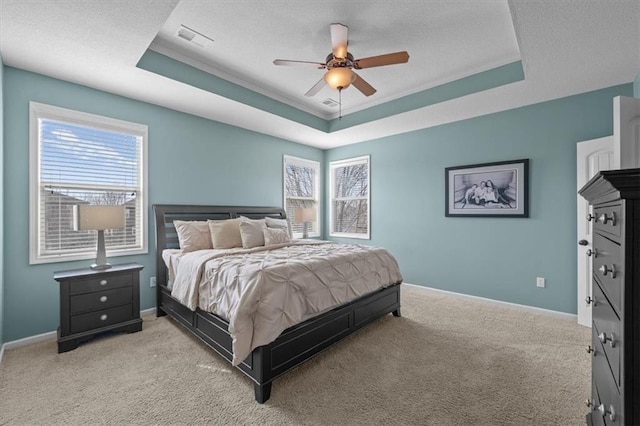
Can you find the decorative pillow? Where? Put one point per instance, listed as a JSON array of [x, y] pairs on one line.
[[225, 233], [193, 235], [279, 224], [275, 236], [252, 233]]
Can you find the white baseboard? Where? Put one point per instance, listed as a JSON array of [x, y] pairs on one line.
[[47, 336], [498, 302]]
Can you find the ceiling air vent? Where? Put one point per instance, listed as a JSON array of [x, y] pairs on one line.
[[194, 37], [330, 102]]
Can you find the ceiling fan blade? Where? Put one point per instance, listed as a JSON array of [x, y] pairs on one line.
[[339, 40], [380, 60], [363, 86], [318, 65], [316, 88]]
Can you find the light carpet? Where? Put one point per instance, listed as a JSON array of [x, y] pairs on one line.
[[448, 361]]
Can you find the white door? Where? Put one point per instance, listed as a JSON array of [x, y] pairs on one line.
[[593, 156], [626, 132]]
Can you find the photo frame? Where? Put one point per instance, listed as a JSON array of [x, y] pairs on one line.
[[498, 189]]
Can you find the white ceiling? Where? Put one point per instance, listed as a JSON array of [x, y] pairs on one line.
[[566, 47]]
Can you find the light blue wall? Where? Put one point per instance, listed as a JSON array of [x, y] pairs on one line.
[[191, 160], [1, 201], [488, 257]]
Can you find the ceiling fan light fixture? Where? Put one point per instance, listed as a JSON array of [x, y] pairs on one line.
[[339, 78]]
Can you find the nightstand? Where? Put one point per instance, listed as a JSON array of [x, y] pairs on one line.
[[93, 302]]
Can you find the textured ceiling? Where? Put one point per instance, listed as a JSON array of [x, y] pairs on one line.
[[566, 47], [446, 41]]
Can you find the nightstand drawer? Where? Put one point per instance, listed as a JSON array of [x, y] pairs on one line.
[[100, 300], [104, 282], [103, 318]]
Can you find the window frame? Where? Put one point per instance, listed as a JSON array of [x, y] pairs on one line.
[[39, 111], [290, 159], [333, 165]]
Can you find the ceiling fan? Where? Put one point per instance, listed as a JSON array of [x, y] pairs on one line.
[[340, 64]]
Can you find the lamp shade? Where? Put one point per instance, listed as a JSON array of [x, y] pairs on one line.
[[305, 215], [339, 78], [88, 217]]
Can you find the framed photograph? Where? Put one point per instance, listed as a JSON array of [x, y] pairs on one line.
[[488, 190]]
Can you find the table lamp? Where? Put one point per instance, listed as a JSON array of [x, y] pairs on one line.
[[98, 218], [305, 216]]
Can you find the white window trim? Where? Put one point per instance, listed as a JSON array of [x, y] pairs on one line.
[[343, 163], [37, 111], [310, 163]]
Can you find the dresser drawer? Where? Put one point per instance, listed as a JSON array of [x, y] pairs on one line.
[[607, 390], [607, 268], [103, 318], [608, 219], [105, 282], [608, 329], [100, 300]]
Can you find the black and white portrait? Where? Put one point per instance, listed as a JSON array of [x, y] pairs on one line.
[[494, 189]]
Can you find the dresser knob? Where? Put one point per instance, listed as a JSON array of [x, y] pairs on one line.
[[103, 282], [103, 317], [593, 252], [611, 411], [103, 299], [604, 218], [604, 339], [605, 270], [589, 402], [589, 300], [591, 217], [590, 349]]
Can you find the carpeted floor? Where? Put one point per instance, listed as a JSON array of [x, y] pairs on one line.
[[447, 361]]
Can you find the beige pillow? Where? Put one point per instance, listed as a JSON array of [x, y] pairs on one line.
[[251, 233], [279, 224], [193, 235], [225, 233], [275, 236]]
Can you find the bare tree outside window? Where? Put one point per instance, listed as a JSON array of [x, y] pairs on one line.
[[350, 197], [301, 178]]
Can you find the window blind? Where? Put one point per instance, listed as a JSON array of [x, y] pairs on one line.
[[350, 197], [301, 180]]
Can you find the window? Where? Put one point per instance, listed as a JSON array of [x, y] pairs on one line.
[[79, 158], [349, 215], [301, 191]]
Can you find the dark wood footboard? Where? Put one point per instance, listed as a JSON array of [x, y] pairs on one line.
[[296, 344]]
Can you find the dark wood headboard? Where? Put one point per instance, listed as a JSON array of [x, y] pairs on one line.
[[166, 236]]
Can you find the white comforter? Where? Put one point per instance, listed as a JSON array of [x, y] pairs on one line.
[[265, 290]]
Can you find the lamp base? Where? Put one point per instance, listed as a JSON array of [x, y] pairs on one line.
[[102, 267], [305, 230]]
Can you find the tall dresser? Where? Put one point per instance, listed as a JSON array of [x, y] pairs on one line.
[[615, 300]]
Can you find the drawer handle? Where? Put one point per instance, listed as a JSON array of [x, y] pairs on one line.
[[604, 339], [103, 282], [589, 402], [604, 218], [590, 301], [103, 299], [590, 350], [606, 270], [611, 411], [103, 317], [591, 217], [593, 252]]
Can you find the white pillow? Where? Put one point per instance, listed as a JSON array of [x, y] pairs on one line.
[[251, 233], [193, 235], [225, 233], [279, 224], [275, 236]]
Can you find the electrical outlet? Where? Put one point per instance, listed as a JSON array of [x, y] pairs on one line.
[[152, 282], [540, 282]]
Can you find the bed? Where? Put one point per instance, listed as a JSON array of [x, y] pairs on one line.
[[295, 344]]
